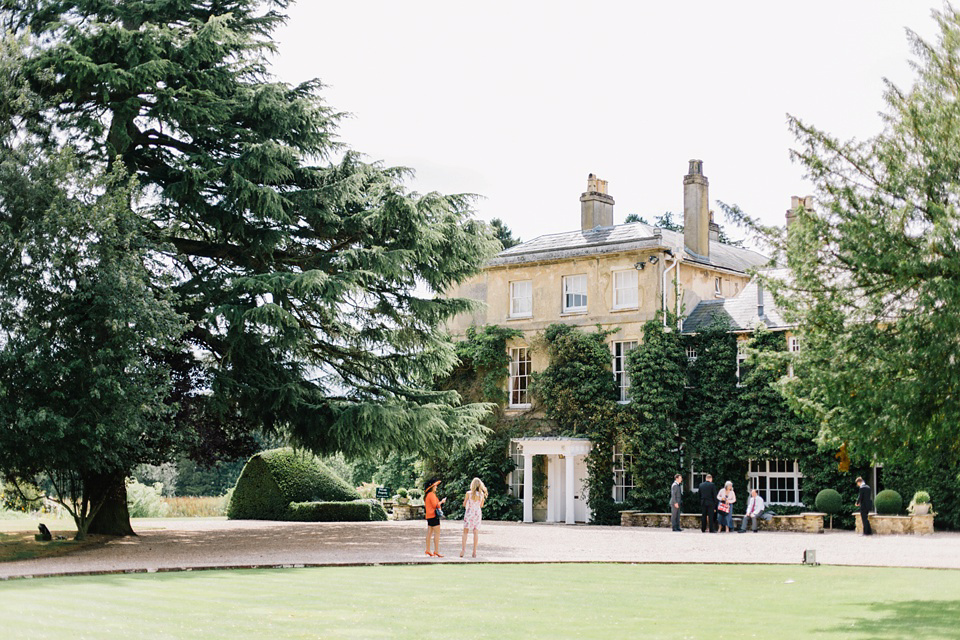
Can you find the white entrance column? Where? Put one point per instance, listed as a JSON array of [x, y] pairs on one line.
[[569, 489], [528, 487]]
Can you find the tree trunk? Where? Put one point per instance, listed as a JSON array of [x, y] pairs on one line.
[[113, 518]]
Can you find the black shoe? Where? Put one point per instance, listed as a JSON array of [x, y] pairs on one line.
[[741, 531]]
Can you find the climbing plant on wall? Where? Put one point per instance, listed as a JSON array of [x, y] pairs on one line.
[[652, 435]]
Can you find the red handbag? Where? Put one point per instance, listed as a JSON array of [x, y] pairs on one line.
[[723, 506]]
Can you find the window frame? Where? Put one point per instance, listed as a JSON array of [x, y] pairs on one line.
[[633, 287], [516, 376], [623, 480], [565, 292], [515, 477], [741, 358], [694, 475], [620, 375], [760, 477], [513, 298]]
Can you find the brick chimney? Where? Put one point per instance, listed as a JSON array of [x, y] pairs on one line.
[[596, 207], [795, 203], [696, 215], [714, 230]]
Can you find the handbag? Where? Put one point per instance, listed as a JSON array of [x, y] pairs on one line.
[[723, 506], [440, 513]]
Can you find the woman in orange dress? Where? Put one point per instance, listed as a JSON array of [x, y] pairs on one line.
[[431, 504]]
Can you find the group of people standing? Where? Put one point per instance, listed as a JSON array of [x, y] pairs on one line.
[[716, 507]]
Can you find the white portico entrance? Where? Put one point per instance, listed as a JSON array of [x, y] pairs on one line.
[[566, 477]]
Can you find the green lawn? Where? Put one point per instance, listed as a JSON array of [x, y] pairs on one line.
[[497, 601]]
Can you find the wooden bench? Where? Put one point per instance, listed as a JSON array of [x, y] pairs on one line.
[[810, 522]]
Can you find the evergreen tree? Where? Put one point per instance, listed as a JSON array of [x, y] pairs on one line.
[[874, 267], [83, 393], [503, 233], [302, 277]]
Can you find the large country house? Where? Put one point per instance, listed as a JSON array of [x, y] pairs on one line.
[[615, 276]]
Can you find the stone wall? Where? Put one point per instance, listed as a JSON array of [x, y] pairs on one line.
[[811, 522], [887, 525]]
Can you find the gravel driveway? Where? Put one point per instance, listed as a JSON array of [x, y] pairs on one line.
[[206, 543]]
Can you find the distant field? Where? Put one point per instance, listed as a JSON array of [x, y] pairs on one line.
[[496, 601]]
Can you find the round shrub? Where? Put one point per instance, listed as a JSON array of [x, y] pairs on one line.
[[829, 501], [272, 479], [888, 503]]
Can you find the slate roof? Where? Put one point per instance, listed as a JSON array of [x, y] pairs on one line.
[[623, 237], [740, 312]]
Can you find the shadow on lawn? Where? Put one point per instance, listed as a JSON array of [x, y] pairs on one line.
[[918, 619]]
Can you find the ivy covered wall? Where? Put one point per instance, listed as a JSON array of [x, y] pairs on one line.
[[684, 412]]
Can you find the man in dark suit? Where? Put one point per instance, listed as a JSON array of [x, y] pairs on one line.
[[708, 505], [865, 502], [676, 498]]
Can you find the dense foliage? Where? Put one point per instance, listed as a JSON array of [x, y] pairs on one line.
[[271, 480], [84, 386], [302, 279], [480, 376], [873, 270], [354, 511], [653, 435]]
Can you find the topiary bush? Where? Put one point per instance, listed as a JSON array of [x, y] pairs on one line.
[[888, 503], [272, 479], [829, 501], [356, 511]]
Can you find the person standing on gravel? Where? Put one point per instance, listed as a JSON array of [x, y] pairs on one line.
[[431, 506], [708, 505], [676, 497], [865, 503]]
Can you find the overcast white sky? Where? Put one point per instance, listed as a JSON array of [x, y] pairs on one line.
[[518, 101]]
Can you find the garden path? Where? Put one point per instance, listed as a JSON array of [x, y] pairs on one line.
[[168, 544]]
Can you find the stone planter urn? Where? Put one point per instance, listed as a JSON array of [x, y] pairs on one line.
[[921, 509]]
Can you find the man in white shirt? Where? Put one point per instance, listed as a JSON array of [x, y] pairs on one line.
[[754, 510]]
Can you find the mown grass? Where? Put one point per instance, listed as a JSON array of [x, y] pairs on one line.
[[495, 601]]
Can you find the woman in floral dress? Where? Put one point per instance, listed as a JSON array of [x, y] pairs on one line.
[[472, 504]]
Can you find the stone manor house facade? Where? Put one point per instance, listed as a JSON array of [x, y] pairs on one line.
[[617, 276]]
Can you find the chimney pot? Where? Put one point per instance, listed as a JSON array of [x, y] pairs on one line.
[[596, 206], [714, 230]]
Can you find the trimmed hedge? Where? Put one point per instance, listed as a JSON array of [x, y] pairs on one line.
[[272, 479], [888, 503], [829, 501], [356, 511]]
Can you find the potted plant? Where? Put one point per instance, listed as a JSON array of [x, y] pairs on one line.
[[402, 496], [920, 505]]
